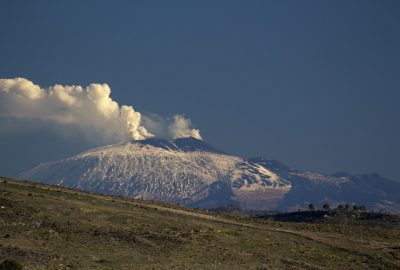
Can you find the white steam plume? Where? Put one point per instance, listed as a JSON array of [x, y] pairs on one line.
[[90, 109], [180, 128], [176, 127]]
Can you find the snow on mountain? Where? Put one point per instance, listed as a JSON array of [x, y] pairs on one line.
[[372, 190], [184, 170], [191, 172]]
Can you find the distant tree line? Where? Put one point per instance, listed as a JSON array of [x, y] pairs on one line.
[[340, 207]]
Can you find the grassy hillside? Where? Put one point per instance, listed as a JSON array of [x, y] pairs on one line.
[[48, 227]]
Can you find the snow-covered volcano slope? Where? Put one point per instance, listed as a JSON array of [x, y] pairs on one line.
[[188, 171], [194, 173]]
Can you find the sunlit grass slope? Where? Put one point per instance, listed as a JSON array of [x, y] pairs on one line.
[[48, 227]]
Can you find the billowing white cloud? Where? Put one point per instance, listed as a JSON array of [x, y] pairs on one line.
[[89, 109]]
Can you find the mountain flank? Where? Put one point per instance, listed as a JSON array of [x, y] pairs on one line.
[[194, 173]]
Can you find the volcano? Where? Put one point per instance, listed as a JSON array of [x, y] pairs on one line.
[[194, 173]]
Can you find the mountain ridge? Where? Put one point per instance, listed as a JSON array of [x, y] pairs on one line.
[[196, 174]]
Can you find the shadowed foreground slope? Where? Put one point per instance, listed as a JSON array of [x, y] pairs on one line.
[[49, 227]]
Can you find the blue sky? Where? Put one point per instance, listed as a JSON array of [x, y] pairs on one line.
[[314, 84]]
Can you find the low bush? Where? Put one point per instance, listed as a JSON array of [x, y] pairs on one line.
[[10, 265]]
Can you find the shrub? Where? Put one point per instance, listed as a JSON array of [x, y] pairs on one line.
[[362, 208], [10, 265], [311, 207], [326, 206]]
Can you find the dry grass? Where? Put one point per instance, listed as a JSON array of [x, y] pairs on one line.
[[47, 227]]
